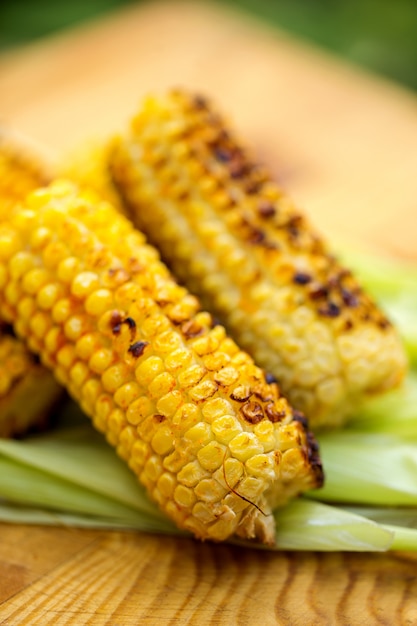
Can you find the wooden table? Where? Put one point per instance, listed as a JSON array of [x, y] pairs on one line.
[[345, 145]]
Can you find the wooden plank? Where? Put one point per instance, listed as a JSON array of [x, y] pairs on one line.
[[130, 578], [343, 143]]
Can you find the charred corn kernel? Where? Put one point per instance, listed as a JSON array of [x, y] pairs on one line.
[[135, 363], [234, 238]]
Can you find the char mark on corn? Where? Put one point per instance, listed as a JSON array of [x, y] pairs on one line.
[[235, 239], [214, 444]]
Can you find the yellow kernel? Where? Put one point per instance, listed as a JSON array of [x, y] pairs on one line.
[[141, 452], [174, 462], [54, 340], [20, 264], [101, 359], [203, 512], [230, 472], [99, 301], [210, 490], [76, 326], [138, 410], [245, 445], [13, 293], [68, 269], [48, 295], [79, 373], [199, 435], [226, 427], [40, 237], [9, 243], [116, 421], [226, 376], [34, 280], [62, 310], [163, 440], [91, 390], [161, 385], [251, 488], [168, 404], [166, 484], [191, 376], [87, 345], [214, 362], [261, 465], [222, 529], [265, 434], [84, 283], [166, 342], [187, 415], [211, 456], [26, 308], [66, 356], [154, 324], [54, 253], [203, 390], [115, 376], [153, 468], [191, 474], [184, 496], [178, 359], [147, 371], [103, 407], [126, 394], [40, 323], [216, 407], [129, 435]]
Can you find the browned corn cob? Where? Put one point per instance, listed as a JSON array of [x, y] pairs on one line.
[[234, 238], [215, 445], [28, 391]]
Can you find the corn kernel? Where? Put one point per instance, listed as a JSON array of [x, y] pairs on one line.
[[168, 404], [199, 435], [149, 369], [203, 391], [84, 283], [191, 376], [166, 484], [126, 394], [98, 302], [245, 445], [138, 410], [163, 441], [191, 474], [101, 360], [209, 490], [226, 428], [211, 456], [184, 496], [161, 385], [115, 376]]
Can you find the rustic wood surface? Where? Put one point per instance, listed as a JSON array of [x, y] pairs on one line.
[[345, 145]]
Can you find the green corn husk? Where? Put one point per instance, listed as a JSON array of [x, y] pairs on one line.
[[369, 502]]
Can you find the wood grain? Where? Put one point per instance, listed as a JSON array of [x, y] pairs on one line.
[[344, 145], [129, 579], [342, 142]]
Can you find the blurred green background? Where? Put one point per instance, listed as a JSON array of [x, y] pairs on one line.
[[380, 35]]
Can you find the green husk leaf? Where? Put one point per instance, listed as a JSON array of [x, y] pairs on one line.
[[392, 413], [363, 468]]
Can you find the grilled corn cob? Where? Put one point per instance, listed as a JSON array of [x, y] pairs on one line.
[[28, 391], [234, 238], [214, 444]]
